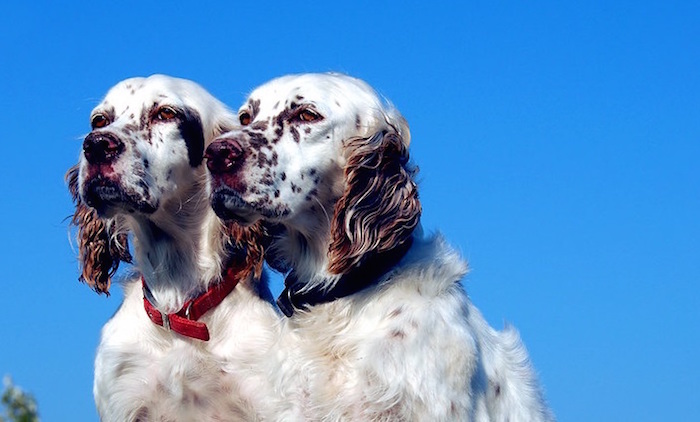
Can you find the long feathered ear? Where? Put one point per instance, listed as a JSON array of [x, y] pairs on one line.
[[248, 248], [380, 208], [100, 250]]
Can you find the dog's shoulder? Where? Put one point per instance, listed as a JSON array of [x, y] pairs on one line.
[[431, 266], [411, 336]]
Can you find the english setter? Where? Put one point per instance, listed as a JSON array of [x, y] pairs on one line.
[[379, 325], [190, 339]]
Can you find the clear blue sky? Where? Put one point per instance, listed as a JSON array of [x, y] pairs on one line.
[[559, 147]]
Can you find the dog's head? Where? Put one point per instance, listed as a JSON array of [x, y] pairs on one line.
[[319, 149], [143, 154], [147, 136]]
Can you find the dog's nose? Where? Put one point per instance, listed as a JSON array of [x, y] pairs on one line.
[[101, 148], [222, 155]]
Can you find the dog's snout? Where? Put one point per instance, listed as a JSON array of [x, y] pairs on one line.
[[223, 154], [101, 148]]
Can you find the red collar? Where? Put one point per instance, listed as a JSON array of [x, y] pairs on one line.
[[184, 321]]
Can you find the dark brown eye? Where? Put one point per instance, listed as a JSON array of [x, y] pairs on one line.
[[244, 117], [308, 116], [98, 121], [166, 113]]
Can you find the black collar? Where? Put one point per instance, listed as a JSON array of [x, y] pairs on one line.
[[369, 273]]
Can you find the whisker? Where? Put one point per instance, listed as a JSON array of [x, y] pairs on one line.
[[323, 208]]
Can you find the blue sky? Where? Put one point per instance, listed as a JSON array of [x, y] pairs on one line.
[[558, 145]]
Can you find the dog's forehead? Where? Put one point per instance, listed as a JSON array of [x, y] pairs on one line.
[[144, 92], [324, 90]]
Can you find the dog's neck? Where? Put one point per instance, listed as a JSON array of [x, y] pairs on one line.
[[178, 250], [308, 255], [304, 247], [299, 294]]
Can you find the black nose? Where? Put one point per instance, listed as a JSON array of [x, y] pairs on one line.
[[223, 155], [101, 148]]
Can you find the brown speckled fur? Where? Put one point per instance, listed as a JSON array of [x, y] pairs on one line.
[[100, 250], [379, 187]]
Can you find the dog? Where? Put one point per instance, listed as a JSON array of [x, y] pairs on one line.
[[379, 326], [190, 339]]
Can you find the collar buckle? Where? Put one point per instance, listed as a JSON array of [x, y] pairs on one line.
[[166, 321]]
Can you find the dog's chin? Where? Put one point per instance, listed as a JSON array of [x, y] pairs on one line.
[[230, 207], [110, 199]]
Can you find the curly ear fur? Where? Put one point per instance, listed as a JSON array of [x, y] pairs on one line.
[[100, 250], [248, 248], [380, 208]]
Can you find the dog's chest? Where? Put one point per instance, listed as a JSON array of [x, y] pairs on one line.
[[144, 372], [181, 384], [352, 367]]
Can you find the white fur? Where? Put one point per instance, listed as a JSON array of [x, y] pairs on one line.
[[142, 371], [411, 347], [414, 348]]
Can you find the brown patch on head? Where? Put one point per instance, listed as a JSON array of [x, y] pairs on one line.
[[380, 208], [99, 249], [254, 106]]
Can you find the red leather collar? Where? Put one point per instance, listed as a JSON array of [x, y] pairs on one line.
[[184, 321]]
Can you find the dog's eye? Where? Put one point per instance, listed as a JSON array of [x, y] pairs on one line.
[[166, 113], [244, 117], [307, 115], [98, 121]]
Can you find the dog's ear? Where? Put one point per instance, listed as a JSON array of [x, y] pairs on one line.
[[380, 208], [100, 248], [248, 248]]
